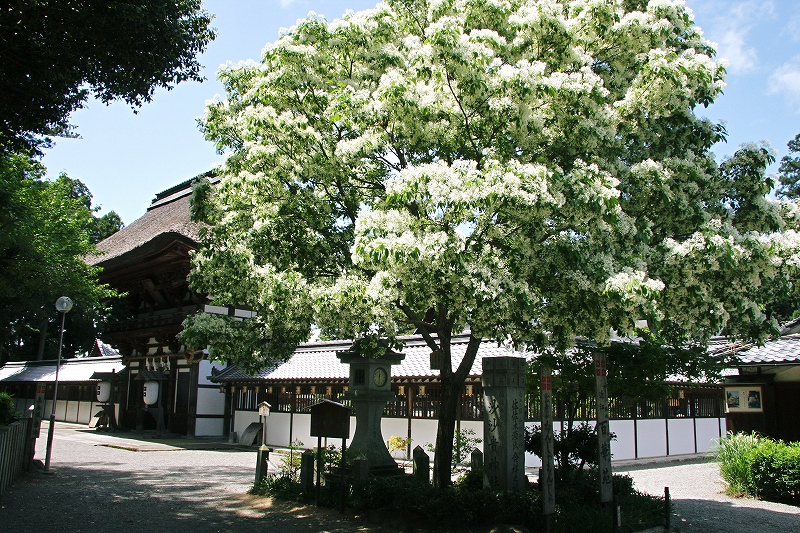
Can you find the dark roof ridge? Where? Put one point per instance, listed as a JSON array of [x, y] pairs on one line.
[[407, 340], [180, 190], [183, 185]]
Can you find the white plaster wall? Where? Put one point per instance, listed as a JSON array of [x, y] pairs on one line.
[[71, 411], [208, 427], [277, 429], [624, 446], [85, 412], [477, 427], [652, 434], [681, 435], [245, 418], [210, 402], [531, 461], [423, 431], [302, 430], [396, 427], [708, 433], [652, 438]]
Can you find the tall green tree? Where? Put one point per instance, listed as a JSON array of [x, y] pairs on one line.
[[790, 170], [55, 53], [526, 171], [46, 230]]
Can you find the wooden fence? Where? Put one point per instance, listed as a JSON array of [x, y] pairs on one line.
[[14, 451]]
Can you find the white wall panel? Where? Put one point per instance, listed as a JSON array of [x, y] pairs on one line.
[[210, 401], [624, 446], [208, 427], [652, 438], [708, 433], [681, 436]]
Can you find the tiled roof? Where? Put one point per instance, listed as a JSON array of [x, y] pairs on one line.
[[782, 350], [101, 349], [80, 369], [318, 362]]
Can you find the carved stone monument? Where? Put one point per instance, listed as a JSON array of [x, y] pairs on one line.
[[504, 422]]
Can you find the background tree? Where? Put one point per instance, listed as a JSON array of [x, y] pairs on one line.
[[523, 171], [790, 171], [46, 229], [55, 53]]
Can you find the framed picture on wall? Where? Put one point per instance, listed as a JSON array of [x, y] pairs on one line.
[[732, 399], [744, 399]]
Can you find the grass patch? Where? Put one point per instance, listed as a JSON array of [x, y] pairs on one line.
[[735, 458]]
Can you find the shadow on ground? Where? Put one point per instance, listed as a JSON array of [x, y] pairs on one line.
[[695, 516], [89, 498]]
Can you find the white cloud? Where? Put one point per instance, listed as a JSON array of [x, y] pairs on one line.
[[792, 28], [730, 27], [785, 81]]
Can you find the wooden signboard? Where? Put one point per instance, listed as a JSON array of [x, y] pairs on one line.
[[330, 419]]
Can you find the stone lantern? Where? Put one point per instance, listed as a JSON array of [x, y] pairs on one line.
[[370, 390]]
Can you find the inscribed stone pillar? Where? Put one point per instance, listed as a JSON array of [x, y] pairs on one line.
[[504, 422], [547, 473], [603, 431]]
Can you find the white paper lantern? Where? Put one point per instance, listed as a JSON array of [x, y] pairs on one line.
[[150, 392], [103, 391]]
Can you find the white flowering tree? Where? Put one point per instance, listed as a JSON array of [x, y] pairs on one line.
[[525, 171]]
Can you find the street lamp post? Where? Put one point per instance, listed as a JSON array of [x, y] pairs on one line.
[[63, 305]]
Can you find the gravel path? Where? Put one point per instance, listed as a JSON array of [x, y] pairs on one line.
[[111, 482], [701, 506]]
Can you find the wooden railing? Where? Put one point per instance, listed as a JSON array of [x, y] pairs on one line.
[[694, 405], [14, 451]]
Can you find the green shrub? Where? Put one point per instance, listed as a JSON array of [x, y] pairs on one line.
[[759, 466], [468, 505], [289, 463], [735, 458], [775, 471], [7, 412], [282, 487], [464, 442]]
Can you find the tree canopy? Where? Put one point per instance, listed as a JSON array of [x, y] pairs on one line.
[[528, 171], [55, 53], [46, 230]]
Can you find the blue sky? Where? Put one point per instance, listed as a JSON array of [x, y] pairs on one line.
[[126, 158]]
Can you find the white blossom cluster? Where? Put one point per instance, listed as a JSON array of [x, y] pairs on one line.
[[528, 169]]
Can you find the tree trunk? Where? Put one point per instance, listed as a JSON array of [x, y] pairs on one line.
[[452, 384], [442, 461], [42, 337]]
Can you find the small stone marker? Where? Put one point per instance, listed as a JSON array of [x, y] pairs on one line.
[[422, 465], [307, 472], [476, 460], [360, 470]]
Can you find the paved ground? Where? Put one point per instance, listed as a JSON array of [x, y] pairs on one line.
[[182, 486], [135, 486], [701, 506]]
